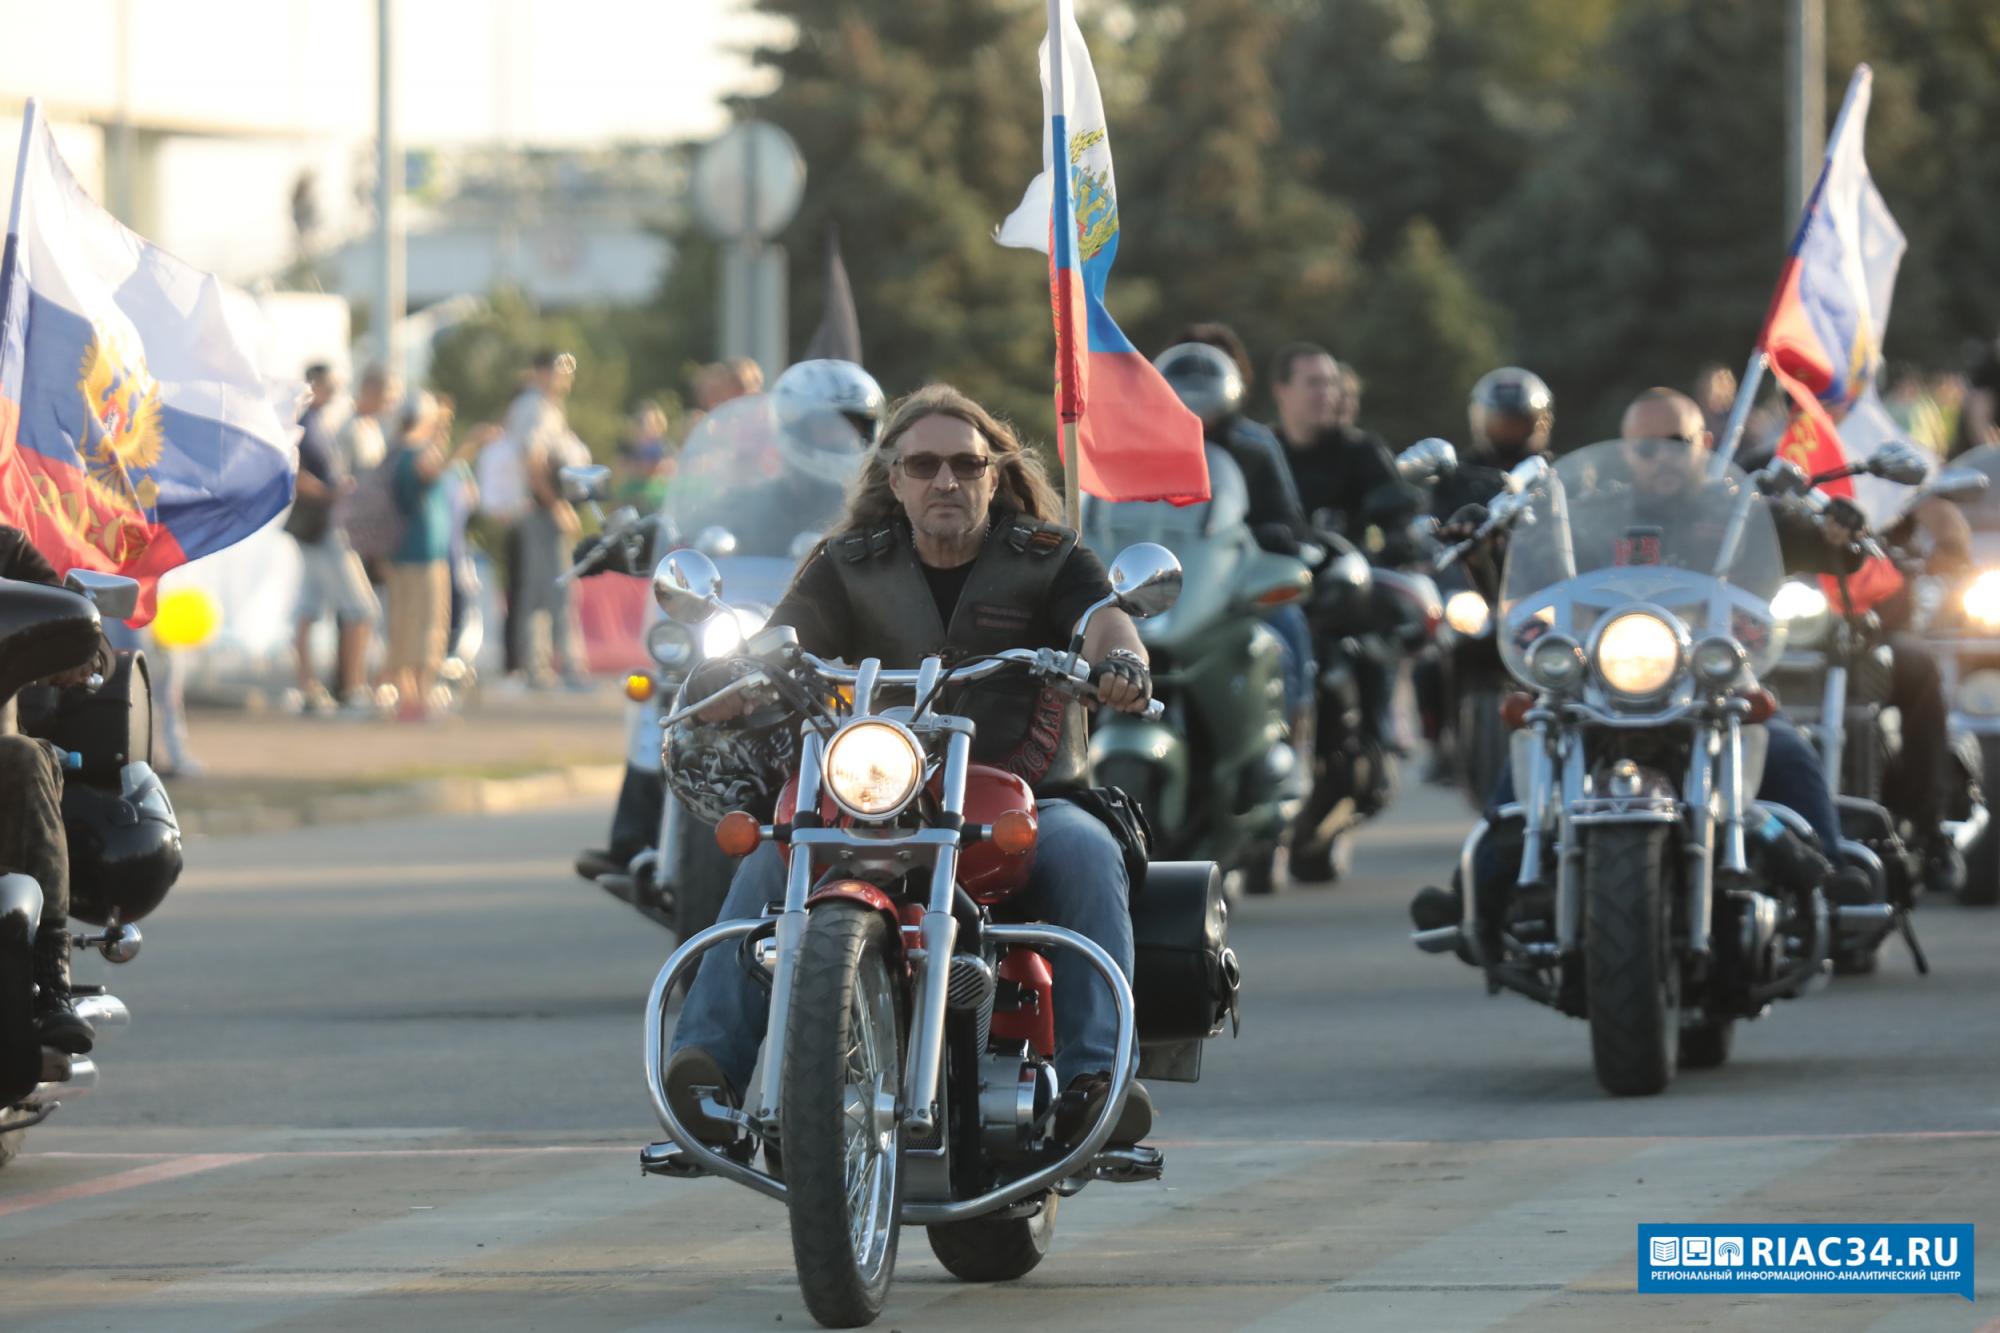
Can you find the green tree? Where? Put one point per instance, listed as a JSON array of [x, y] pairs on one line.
[[1423, 333]]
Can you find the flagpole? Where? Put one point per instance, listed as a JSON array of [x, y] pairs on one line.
[[1061, 229], [1753, 373], [10, 244]]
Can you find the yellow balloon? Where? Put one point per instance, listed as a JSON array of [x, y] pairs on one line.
[[187, 618]]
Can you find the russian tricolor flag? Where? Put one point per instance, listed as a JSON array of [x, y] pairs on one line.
[[1823, 334], [136, 433], [1135, 439]]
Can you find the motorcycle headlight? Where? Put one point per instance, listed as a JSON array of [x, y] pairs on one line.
[[1637, 654], [669, 644], [724, 633], [1718, 660], [1555, 661], [1467, 614], [873, 768], [1982, 600], [1801, 608]]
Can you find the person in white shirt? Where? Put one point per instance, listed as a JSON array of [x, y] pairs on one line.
[[538, 429]]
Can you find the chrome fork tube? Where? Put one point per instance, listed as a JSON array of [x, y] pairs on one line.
[[1534, 806], [939, 933], [1569, 870], [790, 937], [1701, 831], [1730, 787], [1833, 726]]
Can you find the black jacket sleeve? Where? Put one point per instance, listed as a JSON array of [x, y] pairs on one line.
[[1275, 513], [816, 606], [20, 560]]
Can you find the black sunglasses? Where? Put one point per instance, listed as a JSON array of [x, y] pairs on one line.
[[965, 467], [1652, 444]]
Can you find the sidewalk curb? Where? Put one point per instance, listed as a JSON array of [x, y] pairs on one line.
[[434, 796]]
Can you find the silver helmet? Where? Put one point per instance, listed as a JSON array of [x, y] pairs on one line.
[[829, 415], [1206, 380]]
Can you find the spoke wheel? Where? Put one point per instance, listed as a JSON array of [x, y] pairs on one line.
[[843, 1079]]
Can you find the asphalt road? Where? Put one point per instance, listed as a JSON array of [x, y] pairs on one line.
[[387, 1077]]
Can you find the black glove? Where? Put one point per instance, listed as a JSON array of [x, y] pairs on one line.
[[1126, 666], [1277, 537], [1847, 514], [1463, 523], [588, 553]]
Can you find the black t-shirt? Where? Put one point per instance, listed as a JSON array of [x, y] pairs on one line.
[[816, 605], [1351, 473]]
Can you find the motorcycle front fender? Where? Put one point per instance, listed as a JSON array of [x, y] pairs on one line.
[[21, 900], [644, 736], [1127, 742]]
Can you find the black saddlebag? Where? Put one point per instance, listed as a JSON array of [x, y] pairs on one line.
[[110, 726], [1185, 976]]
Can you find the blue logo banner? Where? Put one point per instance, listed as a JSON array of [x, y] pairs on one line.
[[1746, 1257]]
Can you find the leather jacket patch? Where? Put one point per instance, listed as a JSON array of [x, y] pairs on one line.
[[1004, 619], [1036, 753]]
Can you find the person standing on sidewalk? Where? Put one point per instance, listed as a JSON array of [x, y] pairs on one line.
[[420, 569], [332, 579], [548, 528]]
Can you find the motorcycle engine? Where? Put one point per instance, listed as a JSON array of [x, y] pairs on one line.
[[1017, 1094]]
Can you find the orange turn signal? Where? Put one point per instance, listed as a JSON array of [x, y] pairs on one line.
[[738, 834], [1282, 595], [1514, 709], [639, 687], [1762, 705], [1014, 832]]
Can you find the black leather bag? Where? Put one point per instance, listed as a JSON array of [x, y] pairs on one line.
[[1185, 976], [1117, 811]]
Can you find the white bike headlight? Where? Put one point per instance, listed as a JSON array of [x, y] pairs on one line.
[[1555, 661], [1717, 661], [1637, 654], [1467, 614], [873, 768], [1801, 608], [1982, 600]]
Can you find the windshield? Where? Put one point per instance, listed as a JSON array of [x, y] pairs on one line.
[[1982, 511], [1637, 522], [1111, 527], [748, 484]]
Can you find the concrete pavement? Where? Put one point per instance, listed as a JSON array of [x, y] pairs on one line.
[[389, 1078]]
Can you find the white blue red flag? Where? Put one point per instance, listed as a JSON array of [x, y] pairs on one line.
[[1823, 335], [1135, 439], [136, 433]]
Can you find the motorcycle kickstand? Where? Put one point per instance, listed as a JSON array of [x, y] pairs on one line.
[[1909, 933]]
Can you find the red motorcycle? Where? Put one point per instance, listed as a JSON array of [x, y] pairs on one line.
[[907, 1073]]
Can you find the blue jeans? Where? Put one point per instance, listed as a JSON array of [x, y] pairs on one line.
[[1077, 882], [1792, 778], [1289, 624]]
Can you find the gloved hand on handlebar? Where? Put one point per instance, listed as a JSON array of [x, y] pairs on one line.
[[1842, 522], [1123, 681], [585, 552], [1463, 523]]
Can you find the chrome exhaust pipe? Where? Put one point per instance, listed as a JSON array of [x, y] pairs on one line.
[[79, 1083], [104, 1013], [1964, 832]]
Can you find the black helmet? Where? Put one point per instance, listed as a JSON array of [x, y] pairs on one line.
[[124, 846], [740, 764], [1206, 380], [1515, 391]]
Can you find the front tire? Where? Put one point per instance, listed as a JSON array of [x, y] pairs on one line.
[[843, 1079], [1482, 745], [1630, 967], [1706, 1045], [990, 1249]]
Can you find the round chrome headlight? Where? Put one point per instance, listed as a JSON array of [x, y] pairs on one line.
[[1801, 609], [1637, 654], [1717, 661], [1982, 600], [669, 644], [873, 768], [1555, 661], [1467, 614]]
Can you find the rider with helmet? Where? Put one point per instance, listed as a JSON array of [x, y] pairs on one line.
[[951, 544], [1211, 383], [827, 412]]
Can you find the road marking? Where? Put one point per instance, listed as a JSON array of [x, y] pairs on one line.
[[172, 1169]]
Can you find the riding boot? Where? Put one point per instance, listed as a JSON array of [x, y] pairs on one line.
[[56, 1019]]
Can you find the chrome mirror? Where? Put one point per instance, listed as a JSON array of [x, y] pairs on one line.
[[1426, 460], [1959, 483], [1782, 477], [1145, 579], [115, 596], [580, 485], [687, 587], [1901, 463]]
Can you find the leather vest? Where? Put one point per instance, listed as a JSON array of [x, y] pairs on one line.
[[1034, 732]]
